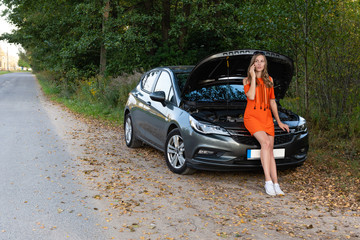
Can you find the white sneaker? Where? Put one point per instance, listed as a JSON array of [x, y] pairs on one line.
[[269, 188], [278, 190]]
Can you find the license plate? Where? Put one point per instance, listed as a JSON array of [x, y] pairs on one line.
[[254, 154]]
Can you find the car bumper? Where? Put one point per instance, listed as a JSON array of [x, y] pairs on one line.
[[223, 153]]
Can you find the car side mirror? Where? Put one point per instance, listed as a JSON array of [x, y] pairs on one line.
[[158, 96]]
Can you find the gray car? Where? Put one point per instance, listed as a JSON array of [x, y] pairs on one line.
[[194, 114]]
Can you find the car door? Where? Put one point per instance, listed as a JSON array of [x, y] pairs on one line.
[[141, 113], [157, 119]]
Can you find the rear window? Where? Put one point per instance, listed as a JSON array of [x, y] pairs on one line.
[[231, 92]]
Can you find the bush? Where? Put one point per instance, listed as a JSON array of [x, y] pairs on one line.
[[99, 97], [345, 126]]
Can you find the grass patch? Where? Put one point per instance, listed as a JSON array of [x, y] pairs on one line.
[[335, 155], [97, 97], [94, 110], [4, 72]]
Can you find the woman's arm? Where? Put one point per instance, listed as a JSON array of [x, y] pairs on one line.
[[251, 93], [275, 112]]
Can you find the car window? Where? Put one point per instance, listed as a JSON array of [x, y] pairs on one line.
[[181, 79], [164, 84], [232, 92], [148, 80]]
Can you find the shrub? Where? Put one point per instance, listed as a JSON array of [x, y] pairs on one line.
[[97, 96]]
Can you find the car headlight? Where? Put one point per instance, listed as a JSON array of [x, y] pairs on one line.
[[301, 128], [206, 128]]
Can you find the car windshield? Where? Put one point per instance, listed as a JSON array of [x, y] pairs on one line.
[[181, 79], [226, 92]]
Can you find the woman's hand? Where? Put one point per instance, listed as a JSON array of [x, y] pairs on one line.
[[252, 71], [284, 126]]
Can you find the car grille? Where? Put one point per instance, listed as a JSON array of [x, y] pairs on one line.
[[243, 136]]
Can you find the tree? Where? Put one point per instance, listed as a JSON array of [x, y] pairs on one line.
[[24, 60], [61, 36], [103, 48], [80, 39]]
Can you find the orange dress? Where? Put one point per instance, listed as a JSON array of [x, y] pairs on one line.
[[258, 116]]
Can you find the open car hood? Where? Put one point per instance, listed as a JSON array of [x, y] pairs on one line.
[[232, 67]]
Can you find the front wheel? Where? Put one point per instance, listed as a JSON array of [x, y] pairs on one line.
[[130, 138], [175, 153]]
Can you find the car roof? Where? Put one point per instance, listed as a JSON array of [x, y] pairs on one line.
[[181, 68]]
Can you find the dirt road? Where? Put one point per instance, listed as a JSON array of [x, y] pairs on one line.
[[39, 199], [141, 199]]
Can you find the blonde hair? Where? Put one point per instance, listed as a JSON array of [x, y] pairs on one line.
[[264, 75]]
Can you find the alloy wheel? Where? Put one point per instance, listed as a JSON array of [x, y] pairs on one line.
[[175, 152], [128, 130]]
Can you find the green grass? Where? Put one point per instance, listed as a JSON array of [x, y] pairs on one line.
[[48, 87], [17, 71], [340, 155], [94, 110], [101, 104], [4, 72]]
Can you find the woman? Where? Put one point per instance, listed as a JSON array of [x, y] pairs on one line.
[[259, 90]]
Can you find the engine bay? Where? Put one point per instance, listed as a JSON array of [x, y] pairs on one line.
[[217, 116], [228, 116]]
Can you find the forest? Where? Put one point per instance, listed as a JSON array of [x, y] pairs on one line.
[[85, 43]]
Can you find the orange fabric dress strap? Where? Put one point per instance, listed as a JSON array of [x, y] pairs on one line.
[[263, 94]]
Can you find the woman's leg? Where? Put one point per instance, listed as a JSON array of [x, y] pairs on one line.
[[273, 170], [265, 156], [266, 153]]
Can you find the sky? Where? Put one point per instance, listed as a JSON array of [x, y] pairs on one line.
[[6, 27]]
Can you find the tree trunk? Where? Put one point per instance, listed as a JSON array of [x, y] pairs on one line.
[[103, 49], [184, 28], [149, 7], [306, 32], [165, 22]]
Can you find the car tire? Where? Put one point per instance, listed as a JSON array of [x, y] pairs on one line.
[[175, 153], [130, 138]]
